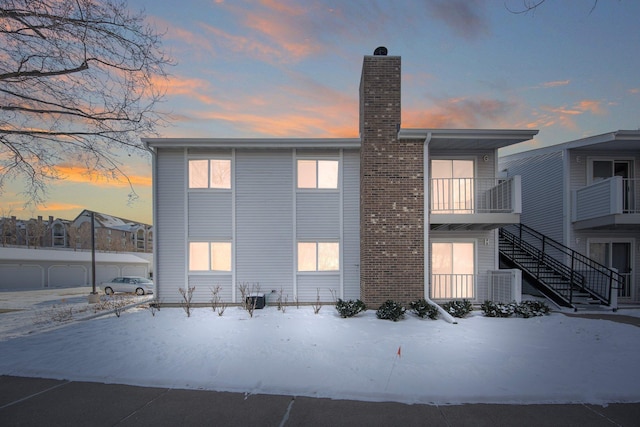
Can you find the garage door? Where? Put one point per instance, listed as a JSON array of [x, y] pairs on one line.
[[62, 276], [134, 270], [15, 276], [104, 273]]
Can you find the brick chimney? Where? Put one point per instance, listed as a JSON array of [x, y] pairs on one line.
[[391, 190]]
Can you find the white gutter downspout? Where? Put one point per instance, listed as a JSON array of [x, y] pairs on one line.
[[425, 156], [154, 201]]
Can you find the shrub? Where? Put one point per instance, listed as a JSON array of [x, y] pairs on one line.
[[528, 309], [391, 310], [423, 309], [349, 308], [498, 309], [525, 309], [458, 308]]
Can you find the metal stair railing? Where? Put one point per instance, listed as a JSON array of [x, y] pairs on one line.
[[543, 264], [581, 272]]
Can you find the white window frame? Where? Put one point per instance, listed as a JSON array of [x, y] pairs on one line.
[[317, 260], [209, 258], [450, 208], [317, 160], [475, 273], [209, 159]]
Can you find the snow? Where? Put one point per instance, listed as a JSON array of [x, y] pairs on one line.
[[550, 359]]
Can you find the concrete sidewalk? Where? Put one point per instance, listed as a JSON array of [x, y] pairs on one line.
[[40, 402]]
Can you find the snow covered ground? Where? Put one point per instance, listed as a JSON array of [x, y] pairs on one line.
[[551, 359]]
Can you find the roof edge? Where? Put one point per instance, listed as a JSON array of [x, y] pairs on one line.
[[422, 133], [252, 142]]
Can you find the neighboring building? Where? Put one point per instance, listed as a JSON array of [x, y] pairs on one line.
[[585, 194], [30, 269], [112, 233], [352, 217]]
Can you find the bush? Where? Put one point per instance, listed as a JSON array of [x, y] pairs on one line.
[[423, 309], [458, 308], [525, 309], [349, 308], [498, 309], [391, 310], [532, 308]]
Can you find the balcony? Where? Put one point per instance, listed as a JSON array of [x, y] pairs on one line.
[[609, 204], [474, 203], [496, 285]]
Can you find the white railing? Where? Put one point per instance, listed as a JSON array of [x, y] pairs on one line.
[[497, 285], [453, 286], [475, 195], [615, 195]]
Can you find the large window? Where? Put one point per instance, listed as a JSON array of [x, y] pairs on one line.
[[452, 186], [209, 256], [318, 256], [210, 173], [321, 174], [452, 270]]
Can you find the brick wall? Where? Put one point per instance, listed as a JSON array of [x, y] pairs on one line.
[[391, 191]]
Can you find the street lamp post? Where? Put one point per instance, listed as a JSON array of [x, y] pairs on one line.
[[93, 296]]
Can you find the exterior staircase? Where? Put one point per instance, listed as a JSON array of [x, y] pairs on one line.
[[564, 276]]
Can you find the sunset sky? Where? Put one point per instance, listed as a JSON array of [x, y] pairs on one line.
[[268, 68]]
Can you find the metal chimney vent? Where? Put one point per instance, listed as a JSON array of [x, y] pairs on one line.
[[380, 51]]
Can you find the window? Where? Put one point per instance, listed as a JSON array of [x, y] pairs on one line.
[[59, 235], [452, 270], [210, 256], [318, 256], [213, 173], [452, 186], [321, 174], [140, 240]]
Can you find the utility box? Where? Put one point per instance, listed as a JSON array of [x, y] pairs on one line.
[[256, 300]]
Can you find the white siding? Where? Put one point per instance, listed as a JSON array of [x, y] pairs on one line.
[[542, 192], [210, 215], [264, 216], [205, 284], [318, 215], [170, 217], [309, 285], [351, 224], [271, 215]]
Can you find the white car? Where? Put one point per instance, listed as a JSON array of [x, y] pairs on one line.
[[139, 285]]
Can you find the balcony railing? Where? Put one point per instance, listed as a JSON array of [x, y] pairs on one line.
[[497, 285], [475, 195], [611, 196]]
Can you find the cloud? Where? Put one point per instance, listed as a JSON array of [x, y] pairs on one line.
[[195, 44], [287, 124], [634, 91], [244, 44], [554, 83], [60, 206], [463, 17], [81, 174], [458, 112], [189, 87], [564, 115]]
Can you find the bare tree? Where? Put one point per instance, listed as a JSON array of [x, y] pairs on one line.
[[78, 83], [35, 231], [532, 5]]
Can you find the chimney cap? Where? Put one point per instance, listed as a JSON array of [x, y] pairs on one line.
[[380, 51]]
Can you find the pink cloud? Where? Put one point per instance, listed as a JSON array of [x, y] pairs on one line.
[[458, 112], [555, 83], [565, 116], [81, 174]]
